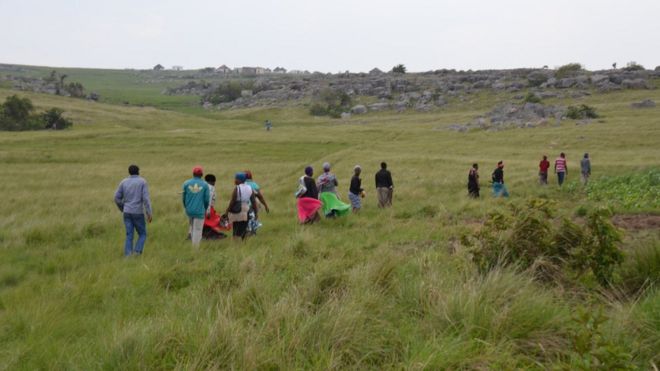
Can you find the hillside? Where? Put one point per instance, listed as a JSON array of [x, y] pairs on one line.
[[383, 289]]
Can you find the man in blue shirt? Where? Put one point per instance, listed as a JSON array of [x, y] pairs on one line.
[[132, 199], [196, 203]]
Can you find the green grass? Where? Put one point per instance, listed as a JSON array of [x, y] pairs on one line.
[[378, 290]]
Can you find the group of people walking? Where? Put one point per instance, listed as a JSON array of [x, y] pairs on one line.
[[321, 194], [500, 190], [314, 196]]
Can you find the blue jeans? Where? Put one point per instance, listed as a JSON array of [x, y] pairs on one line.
[[499, 190], [560, 177], [134, 222]]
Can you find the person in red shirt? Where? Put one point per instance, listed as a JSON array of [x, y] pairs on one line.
[[544, 165]]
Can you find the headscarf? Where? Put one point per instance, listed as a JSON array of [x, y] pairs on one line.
[[326, 166], [240, 177]]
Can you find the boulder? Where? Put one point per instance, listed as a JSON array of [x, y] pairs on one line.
[[359, 109], [345, 115], [566, 83], [380, 106], [646, 103], [634, 84], [597, 79]]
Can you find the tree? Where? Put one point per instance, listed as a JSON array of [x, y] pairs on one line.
[[159, 67], [17, 109], [53, 119], [399, 68]]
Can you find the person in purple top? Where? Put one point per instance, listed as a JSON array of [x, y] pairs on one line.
[[132, 199]]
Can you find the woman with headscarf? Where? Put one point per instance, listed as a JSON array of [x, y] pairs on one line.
[[327, 184], [239, 206], [308, 198], [355, 191], [253, 222], [473, 181]]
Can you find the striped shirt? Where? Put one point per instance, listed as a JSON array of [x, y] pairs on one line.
[[560, 165]]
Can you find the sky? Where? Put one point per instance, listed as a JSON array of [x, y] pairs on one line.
[[330, 35]]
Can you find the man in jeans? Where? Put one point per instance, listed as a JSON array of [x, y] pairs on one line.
[[196, 203], [132, 199]]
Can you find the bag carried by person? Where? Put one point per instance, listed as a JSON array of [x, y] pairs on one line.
[[236, 206]]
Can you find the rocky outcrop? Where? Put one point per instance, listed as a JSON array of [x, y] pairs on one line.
[[646, 103]]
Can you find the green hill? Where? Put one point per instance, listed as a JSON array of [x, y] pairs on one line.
[[384, 289]]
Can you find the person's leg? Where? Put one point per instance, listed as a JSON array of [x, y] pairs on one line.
[[196, 233], [141, 227], [560, 178], [128, 244], [380, 193]]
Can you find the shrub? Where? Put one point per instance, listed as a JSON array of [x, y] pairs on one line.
[[537, 79], [581, 112], [591, 349], [531, 237], [568, 70], [331, 103], [633, 66], [532, 98], [53, 119], [318, 109], [399, 68], [226, 92]]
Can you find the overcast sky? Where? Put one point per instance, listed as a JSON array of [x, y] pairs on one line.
[[330, 35]]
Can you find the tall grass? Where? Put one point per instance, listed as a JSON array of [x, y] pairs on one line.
[[384, 289]]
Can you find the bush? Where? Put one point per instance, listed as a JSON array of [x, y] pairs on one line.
[[633, 66], [331, 103], [581, 112], [568, 70], [399, 68], [591, 349], [531, 237], [532, 98], [226, 92], [53, 119], [537, 79]]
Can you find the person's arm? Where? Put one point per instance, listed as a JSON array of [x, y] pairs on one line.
[[207, 198], [253, 201], [119, 197], [376, 178], [146, 201], [589, 167], [183, 195], [261, 198], [231, 200]]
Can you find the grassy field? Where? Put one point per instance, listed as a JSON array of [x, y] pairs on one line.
[[385, 289]]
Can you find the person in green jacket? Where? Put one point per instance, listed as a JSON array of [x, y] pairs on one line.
[[196, 203]]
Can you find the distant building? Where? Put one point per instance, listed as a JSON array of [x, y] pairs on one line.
[[375, 71], [223, 70], [247, 71], [279, 70], [177, 68]]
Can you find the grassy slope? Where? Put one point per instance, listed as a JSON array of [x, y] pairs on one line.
[[376, 290]]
